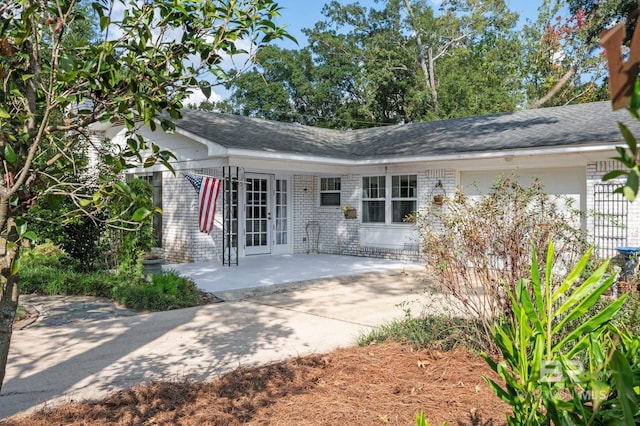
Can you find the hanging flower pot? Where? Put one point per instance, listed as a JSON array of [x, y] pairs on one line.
[[350, 213], [438, 199]]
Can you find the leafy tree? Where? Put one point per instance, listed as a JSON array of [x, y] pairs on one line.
[[562, 61], [280, 89], [600, 15], [137, 71], [402, 62]]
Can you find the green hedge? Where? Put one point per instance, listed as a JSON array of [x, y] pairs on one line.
[[45, 271]]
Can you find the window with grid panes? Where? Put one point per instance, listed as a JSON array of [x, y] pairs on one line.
[[404, 196], [373, 199], [330, 192]]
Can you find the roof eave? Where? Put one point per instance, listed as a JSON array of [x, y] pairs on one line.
[[478, 155]]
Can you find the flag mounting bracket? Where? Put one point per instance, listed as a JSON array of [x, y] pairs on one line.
[[230, 208]]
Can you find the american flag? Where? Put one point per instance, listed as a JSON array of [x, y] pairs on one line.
[[207, 189]]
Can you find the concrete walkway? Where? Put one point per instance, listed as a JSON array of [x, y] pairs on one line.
[[85, 360]]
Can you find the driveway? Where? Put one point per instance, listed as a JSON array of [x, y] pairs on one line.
[[75, 360]]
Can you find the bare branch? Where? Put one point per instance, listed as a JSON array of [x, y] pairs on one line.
[[555, 89]]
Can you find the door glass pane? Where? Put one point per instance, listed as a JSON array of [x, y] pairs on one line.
[[256, 210], [281, 212]]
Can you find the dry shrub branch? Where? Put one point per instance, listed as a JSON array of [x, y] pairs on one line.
[[478, 246]]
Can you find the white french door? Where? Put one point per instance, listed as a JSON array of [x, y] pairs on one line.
[[257, 212], [266, 215]]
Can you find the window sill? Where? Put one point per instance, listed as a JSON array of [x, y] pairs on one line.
[[386, 225]]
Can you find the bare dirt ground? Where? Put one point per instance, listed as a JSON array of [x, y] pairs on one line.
[[382, 384]]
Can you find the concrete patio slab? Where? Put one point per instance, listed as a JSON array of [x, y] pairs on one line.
[[257, 275]]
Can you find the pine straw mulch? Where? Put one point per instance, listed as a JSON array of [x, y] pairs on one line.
[[381, 384]]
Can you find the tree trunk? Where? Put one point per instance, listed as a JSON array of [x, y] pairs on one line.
[[10, 292], [428, 69], [432, 83]]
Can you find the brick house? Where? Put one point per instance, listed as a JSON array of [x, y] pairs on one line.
[[288, 185]]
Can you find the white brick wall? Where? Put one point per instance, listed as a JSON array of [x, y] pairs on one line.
[[183, 242], [304, 211], [341, 236], [181, 237]]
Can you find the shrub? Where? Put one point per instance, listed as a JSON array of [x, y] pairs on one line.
[[57, 281], [167, 290], [480, 248], [428, 331], [543, 382], [81, 237], [43, 255], [129, 245], [45, 272]]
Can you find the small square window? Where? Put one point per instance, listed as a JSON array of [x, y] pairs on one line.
[[330, 192]]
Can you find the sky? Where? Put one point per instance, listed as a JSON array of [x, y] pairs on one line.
[[299, 14]]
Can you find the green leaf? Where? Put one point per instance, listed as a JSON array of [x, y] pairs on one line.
[[497, 389], [586, 290], [104, 22], [206, 89], [630, 190], [30, 235], [593, 323], [629, 193], [9, 154], [123, 187], [21, 226], [573, 276], [629, 138], [536, 284], [634, 105], [149, 162], [614, 174], [531, 310], [141, 214], [4, 114], [623, 377], [15, 264]]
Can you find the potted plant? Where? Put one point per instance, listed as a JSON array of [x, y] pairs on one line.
[[438, 199], [349, 212], [152, 263]]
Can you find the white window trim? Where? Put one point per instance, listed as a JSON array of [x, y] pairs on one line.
[[321, 191], [391, 199], [388, 200]]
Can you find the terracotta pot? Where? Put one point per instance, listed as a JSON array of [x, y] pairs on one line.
[[627, 286]]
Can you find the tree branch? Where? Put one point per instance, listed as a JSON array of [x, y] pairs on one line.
[[555, 89]]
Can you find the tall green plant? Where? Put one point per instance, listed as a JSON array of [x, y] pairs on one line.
[[129, 245], [555, 375]]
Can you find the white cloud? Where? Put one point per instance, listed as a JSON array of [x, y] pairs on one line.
[[197, 97]]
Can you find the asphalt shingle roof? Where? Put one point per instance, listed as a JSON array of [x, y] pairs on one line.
[[572, 125]]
